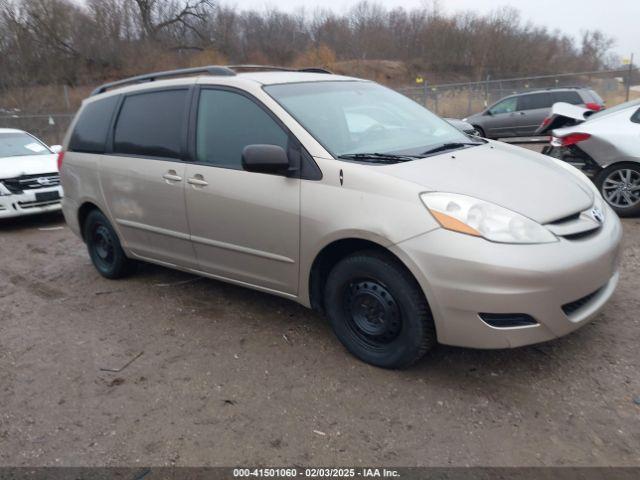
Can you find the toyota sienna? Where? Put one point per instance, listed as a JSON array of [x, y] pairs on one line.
[[344, 196]]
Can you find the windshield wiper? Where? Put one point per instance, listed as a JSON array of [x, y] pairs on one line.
[[450, 146], [378, 157]]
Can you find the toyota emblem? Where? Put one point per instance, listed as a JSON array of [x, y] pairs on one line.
[[44, 181], [596, 213]]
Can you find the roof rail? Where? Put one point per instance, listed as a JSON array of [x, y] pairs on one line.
[[150, 77], [216, 70], [279, 69], [566, 87]]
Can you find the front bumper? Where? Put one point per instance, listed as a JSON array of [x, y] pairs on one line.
[[463, 276], [26, 203]]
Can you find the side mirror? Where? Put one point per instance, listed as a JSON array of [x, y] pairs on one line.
[[56, 148], [488, 112], [265, 159]]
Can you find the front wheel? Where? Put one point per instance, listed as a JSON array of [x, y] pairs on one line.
[[104, 247], [378, 311], [620, 186], [480, 131]]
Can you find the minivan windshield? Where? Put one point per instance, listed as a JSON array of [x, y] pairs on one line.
[[354, 117], [18, 144]]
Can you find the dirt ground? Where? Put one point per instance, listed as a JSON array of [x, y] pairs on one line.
[[228, 376]]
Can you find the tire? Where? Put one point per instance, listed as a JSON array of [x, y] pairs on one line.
[[619, 184], [378, 311], [480, 131], [104, 247]]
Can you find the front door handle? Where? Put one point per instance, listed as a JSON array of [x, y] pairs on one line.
[[197, 181], [171, 176]]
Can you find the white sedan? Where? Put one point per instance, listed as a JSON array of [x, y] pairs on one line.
[[29, 178]]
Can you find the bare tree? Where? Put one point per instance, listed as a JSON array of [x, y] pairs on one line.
[[66, 41]]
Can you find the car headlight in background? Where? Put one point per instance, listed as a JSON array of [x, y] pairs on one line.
[[464, 214]]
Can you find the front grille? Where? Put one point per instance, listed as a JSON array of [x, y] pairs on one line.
[[27, 205], [571, 308], [569, 218], [32, 182], [581, 235], [506, 320]]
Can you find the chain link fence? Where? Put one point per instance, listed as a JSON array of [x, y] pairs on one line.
[[48, 127], [463, 99], [455, 100]]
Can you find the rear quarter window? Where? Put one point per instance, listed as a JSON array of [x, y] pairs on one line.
[[91, 129], [568, 97], [152, 124], [534, 101]]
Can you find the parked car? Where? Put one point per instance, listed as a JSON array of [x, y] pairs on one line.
[[520, 115], [404, 233], [604, 145], [29, 179]]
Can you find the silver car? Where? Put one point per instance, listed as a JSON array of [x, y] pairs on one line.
[[521, 114], [344, 196], [604, 145]]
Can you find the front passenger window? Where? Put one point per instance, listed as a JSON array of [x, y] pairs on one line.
[[505, 106], [228, 122]]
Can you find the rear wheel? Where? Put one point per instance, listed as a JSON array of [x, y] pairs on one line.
[[378, 311], [620, 187], [104, 247]]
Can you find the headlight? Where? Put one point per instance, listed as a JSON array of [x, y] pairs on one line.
[[4, 190], [464, 214]]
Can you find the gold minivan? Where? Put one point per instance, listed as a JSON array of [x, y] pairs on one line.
[[344, 196]]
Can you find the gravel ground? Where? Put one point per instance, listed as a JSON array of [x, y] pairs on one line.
[[228, 376]]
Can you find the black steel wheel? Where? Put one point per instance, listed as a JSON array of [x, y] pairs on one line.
[[104, 247], [378, 311], [374, 315]]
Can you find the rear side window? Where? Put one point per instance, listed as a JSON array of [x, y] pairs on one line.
[[568, 97], [151, 124], [228, 122], [534, 101], [90, 132], [597, 98]]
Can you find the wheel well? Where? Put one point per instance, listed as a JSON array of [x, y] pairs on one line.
[[83, 213], [330, 256]]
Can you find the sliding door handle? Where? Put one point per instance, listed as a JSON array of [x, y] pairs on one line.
[[198, 181], [172, 176]]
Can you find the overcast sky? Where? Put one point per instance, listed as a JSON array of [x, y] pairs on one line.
[[617, 18]]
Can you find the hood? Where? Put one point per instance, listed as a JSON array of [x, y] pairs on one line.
[[518, 179], [12, 167], [562, 115]]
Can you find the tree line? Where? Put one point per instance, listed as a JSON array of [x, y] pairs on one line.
[[74, 43]]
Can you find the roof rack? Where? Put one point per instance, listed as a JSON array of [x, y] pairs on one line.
[[565, 87], [150, 77], [279, 69], [216, 70]]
